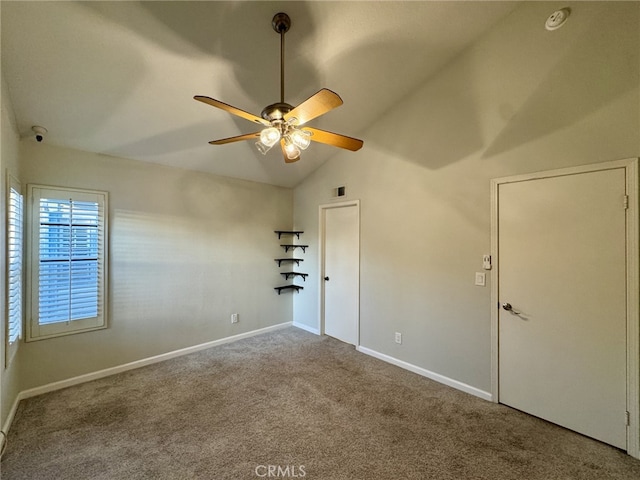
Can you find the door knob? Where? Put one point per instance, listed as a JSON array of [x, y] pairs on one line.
[[326, 279], [509, 308]]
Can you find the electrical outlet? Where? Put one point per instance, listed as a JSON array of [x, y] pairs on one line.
[[398, 337], [234, 318]]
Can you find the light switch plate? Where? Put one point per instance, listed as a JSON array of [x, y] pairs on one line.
[[480, 279]]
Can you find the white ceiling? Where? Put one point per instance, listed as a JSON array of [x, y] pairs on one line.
[[118, 78]]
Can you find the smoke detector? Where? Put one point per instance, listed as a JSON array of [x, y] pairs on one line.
[[557, 19]]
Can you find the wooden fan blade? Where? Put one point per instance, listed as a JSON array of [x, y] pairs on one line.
[[317, 104], [239, 138], [233, 110], [284, 154], [341, 141]]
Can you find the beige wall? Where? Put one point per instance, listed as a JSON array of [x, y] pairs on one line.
[[9, 387], [521, 100], [187, 250]]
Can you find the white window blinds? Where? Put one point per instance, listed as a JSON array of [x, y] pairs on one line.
[[15, 217], [69, 236]]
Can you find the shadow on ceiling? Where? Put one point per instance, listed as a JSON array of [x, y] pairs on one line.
[[238, 32]]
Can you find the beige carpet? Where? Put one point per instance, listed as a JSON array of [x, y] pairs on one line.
[[290, 405]]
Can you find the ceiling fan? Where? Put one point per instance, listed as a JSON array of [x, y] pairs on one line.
[[284, 123]]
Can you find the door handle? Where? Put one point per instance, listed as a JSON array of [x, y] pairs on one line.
[[326, 279], [509, 308]]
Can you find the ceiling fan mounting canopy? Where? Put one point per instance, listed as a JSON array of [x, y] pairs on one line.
[[283, 122], [281, 22]]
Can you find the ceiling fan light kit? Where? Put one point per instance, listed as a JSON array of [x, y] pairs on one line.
[[284, 123]]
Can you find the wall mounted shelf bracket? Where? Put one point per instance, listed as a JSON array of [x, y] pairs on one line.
[[293, 247], [285, 260], [297, 288], [294, 275], [297, 233]]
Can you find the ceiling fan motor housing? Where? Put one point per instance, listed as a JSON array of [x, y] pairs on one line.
[[276, 111]]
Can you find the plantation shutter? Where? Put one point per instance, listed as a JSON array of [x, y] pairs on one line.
[[15, 216], [70, 261]]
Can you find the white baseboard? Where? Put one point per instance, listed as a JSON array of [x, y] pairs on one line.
[[427, 373], [302, 326], [12, 413], [88, 377]]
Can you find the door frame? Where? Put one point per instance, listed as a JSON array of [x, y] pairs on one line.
[[321, 260], [633, 295]]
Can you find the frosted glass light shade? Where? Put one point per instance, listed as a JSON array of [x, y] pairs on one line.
[[269, 136], [262, 148], [301, 138], [292, 151]]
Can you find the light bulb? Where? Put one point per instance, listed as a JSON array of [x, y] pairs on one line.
[[301, 138], [269, 136], [291, 150]]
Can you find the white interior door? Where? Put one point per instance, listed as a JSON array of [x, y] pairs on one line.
[[562, 268], [341, 272]]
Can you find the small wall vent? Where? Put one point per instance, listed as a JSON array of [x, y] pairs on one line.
[[338, 192]]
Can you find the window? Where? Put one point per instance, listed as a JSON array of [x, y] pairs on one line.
[[14, 285], [68, 251]]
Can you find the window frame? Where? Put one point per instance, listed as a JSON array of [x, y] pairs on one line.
[[35, 330], [11, 346]]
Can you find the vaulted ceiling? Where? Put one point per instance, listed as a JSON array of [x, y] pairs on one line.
[[118, 78]]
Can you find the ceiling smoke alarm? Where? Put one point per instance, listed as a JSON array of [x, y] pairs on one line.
[[557, 19]]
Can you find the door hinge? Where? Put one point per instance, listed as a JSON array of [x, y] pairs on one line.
[[625, 201], [627, 418]]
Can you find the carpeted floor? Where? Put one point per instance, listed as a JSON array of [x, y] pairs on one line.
[[289, 405]]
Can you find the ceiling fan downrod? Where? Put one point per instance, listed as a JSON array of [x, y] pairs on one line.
[[281, 24], [275, 112]]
